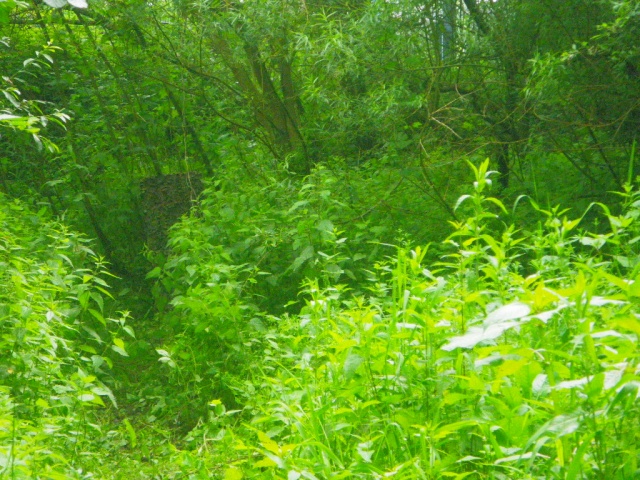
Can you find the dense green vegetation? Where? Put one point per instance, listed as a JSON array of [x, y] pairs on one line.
[[412, 251]]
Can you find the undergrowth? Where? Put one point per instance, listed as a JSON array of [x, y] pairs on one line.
[[58, 339], [513, 354]]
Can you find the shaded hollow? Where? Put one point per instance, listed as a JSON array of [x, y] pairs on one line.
[[165, 198]]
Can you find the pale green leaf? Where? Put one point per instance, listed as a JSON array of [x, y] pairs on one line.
[[56, 3], [351, 364], [510, 311]]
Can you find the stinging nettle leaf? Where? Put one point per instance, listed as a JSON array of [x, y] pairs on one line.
[[540, 384], [571, 384], [305, 255], [562, 425], [365, 451], [325, 226]]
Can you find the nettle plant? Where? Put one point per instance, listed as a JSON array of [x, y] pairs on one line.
[[481, 366], [238, 261], [57, 339]]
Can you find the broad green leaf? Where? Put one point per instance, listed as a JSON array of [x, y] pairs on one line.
[[11, 96], [88, 378], [629, 390], [601, 301], [129, 331], [629, 322], [460, 201], [268, 462], [351, 364], [268, 443], [233, 473], [509, 367], [297, 205], [5, 8], [473, 336], [98, 316], [495, 324], [119, 351], [325, 226], [155, 273], [274, 458], [449, 428], [86, 397], [515, 458], [612, 378], [496, 202], [571, 384], [8, 118], [559, 426], [305, 255], [476, 335]]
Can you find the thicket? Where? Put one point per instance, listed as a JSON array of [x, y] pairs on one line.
[[514, 356], [377, 281]]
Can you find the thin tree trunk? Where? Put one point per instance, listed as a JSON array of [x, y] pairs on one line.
[[192, 132]]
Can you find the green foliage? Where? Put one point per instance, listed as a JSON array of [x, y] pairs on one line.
[[516, 356], [57, 339], [589, 89], [294, 339], [25, 115], [241, 258]]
